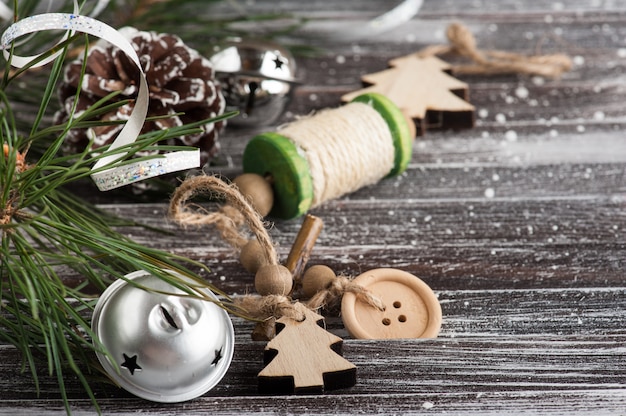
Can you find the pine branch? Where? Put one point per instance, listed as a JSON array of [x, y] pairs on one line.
[[46, 231]]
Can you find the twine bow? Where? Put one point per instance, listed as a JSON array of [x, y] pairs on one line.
[[228, 220], [339, 286], [463, 43]]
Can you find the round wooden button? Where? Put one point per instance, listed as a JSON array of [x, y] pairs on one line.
[[411, 308]]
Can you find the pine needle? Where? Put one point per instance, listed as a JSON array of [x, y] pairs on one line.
[[45, 232]]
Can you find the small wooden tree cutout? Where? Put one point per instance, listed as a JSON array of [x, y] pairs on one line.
[[424, 91], [304, 358]]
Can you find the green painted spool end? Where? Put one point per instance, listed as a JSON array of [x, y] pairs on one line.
[[275, 156], [402, 140]]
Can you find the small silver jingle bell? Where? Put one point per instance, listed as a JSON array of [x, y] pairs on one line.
[[162, 347], [257, 78]]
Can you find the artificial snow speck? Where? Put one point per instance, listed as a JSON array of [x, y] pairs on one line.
[[521, 92], [180, 80], [428, 405], [510, 135]]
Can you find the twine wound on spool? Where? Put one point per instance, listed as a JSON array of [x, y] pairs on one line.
[[463, 43], [346, 148]]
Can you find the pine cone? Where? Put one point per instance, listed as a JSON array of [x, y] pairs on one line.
[[179, 79]]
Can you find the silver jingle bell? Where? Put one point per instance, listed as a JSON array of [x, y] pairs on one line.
[[257, 78], [161, 346]]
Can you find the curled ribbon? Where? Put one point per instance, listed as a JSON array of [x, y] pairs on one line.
[[391, 19], [397, 15], [105, 173], [8, 14]]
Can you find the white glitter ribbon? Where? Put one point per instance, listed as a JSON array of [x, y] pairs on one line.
[[115, 176]]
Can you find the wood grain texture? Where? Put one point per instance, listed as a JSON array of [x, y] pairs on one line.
[[518, 225]]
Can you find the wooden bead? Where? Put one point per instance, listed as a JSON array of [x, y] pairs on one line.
[[273, 279], [252, 256], [316, 279], [258, 191]]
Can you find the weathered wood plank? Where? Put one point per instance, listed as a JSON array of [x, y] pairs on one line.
[[518, 225], [492, 370], [500, 340], [565, 403], [512, 242], [416, 366]]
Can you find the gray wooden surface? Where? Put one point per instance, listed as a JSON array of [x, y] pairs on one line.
[[519, 226]]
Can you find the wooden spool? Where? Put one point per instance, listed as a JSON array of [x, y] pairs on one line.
[[274, 155]]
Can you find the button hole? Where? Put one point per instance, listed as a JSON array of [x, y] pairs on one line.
[[397, 304], [386, 321], [402, 318]]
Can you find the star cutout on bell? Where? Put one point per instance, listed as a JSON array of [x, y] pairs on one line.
[[218, 356], [279, 62], [131, 363]]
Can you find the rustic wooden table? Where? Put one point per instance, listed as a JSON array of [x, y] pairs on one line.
[[518, 225]]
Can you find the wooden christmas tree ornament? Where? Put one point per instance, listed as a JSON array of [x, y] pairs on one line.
[[301, 356], [290, 368], [330, 154], [424, 91]]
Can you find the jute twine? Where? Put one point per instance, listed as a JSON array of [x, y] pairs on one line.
[[337, 288], [265, 308], [488, 62], [229, 220]]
